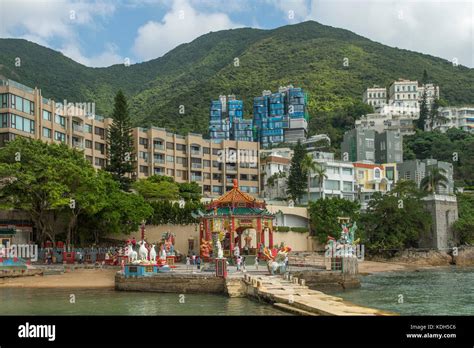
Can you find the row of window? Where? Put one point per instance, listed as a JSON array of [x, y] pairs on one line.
[[8, 100], [24, 124], [408, 88]]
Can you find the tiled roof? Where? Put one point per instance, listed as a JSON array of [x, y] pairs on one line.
[[236, 198]]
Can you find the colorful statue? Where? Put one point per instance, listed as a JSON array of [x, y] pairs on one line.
[[205, 248], [345, 246], [276, 259]]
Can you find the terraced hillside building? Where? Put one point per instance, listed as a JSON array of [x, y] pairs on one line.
[[214, 165], [25, 112]]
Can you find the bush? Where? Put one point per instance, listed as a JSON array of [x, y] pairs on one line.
[[300, 229], [283, 229]]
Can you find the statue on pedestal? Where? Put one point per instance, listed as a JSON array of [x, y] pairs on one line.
[[220, 252]]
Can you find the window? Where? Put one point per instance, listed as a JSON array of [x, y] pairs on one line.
[[100, 147], [347, 186], [170, 172], [207, 176], [215, 152], [181, 147], [377, 173], [244, 177], [142, 155], [390, 173], [360, 174], [181, 160], [332, 170], [4, 120], [100, 132], [88, 128], [22, 123], [331, 185], [254, 177], [206, 163], [170, 146], [144, 169], [46, 132], [89, 159], [407, 175], [100, 162], [4, 100], [369, 143], [143, 141], [59, 136], [169, 159], [369, 155], [206, 150], [60, 120], [46, 115], [88, 144], [347, 171]]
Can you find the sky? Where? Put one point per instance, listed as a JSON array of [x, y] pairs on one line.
[[105, 32]]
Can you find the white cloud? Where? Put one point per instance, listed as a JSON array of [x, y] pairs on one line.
[[441, 28], [56, 21], [181, 24]]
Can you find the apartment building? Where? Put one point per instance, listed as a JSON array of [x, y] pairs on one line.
[[404, 93], [416, 170], [368, 145], [25, 112], [432, 93], [212, 164], [339, 181], [375, 96], [455, 117]]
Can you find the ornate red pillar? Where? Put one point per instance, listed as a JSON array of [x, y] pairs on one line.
[[232, 230], [260, 231], [270, 237]]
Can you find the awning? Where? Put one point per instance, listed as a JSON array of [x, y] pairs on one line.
[[7, 231]]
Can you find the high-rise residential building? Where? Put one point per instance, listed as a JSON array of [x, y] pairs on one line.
[[191, 158], [368, 145], [455, 117], [212, 164], [274, 169], [281, 117], [375, 96], [227, 120], [25, 112], [416, 170]]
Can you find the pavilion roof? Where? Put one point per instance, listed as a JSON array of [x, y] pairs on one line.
[[242, 211], [237, 199]]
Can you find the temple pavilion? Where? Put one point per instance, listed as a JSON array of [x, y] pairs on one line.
[[238, 219]]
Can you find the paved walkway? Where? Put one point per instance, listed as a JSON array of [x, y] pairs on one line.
[[290, 295]]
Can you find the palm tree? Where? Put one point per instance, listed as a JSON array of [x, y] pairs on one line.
[[309, 165], [435, 178], [320, 173]]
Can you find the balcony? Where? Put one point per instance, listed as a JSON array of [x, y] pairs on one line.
[[196, 165], [77, 145], [231, 168], [159, 160], [159, 147], [196, 178], [77, 129], [196, 153]]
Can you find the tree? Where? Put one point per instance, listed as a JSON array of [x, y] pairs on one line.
[[324, 213], [120, 142], [395, 220], [308, 165], [425, 77], [297, 177], [120, 212], [40, 179], [424, 112], [464, 226], [190, 192], [153, 190], [436, 178], [320, 173]]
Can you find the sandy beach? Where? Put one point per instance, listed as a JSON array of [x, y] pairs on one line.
[[104, 278], [81, 278]]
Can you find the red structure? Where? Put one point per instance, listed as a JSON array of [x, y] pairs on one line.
[[238, 219]]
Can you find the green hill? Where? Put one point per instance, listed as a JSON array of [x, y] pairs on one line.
[[309, 55]]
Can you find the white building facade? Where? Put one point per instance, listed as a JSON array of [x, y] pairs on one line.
[[455, 117]]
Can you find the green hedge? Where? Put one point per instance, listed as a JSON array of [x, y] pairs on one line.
[[293, 229]]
